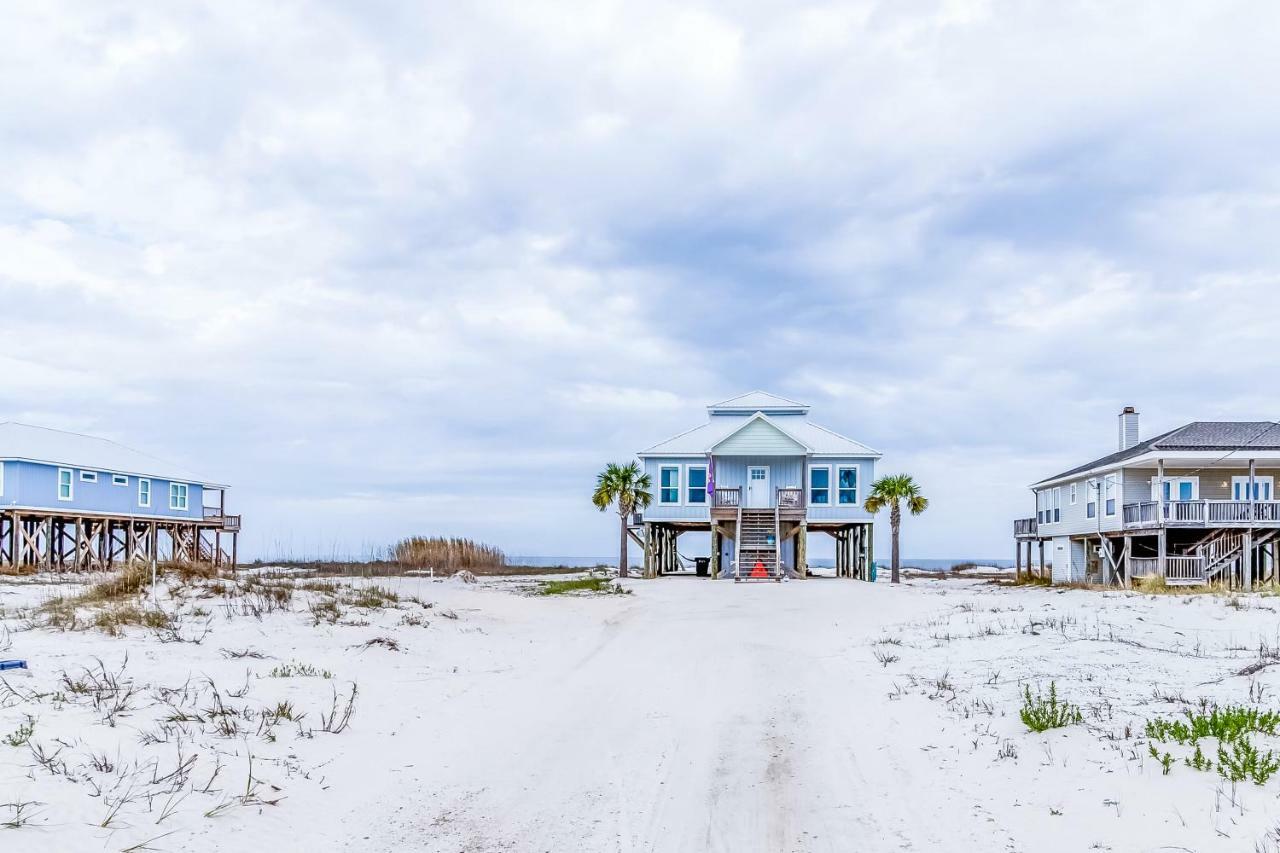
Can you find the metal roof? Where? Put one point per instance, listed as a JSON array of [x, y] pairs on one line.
[[758, 401], [816, 439], [1225, 436], [75, 450]]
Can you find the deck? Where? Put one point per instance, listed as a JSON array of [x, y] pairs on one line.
[[788, 501], [1201, 513]]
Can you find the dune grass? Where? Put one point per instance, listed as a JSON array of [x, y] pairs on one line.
[[447, 554]]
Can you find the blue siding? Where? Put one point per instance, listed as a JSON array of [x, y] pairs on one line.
[[32, 484], [784, 471]]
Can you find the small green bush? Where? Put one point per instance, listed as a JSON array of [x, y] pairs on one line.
[[591, 584], [1041, 714], [1230, 726]]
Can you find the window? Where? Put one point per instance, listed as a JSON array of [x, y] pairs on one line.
[[697, 480], [1, 478], [88, 476], [820, 486], [1262, 488], [1109, 493], [1074, 488], [1176, 489], [847, 486], [669, 484], [178, 496], [119, 480], [1055, 503], [1091, 494], [144, 492], [65, 491]]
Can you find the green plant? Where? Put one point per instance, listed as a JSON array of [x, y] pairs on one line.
[[23, 733], [1230, 726], [892, 491], [594, 583], [1243, 761], [299, 670], [627, 488], [1040, 713]]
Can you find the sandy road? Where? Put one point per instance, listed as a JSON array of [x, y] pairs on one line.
[[690, 716]]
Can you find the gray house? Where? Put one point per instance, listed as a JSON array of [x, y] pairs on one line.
[[759, 476], [1193, 505]]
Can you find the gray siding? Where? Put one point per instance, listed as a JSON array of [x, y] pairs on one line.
[[759, 438]]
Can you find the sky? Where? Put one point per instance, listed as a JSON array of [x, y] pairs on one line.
[[396, 268]]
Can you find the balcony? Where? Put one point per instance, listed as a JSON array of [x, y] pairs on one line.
[[1203, 513], [1024, 528], [214, 515]]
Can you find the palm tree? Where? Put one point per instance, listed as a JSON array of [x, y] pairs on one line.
[[627, 487], [890, 492]]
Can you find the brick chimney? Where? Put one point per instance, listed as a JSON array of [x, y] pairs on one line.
[[1128, 427]]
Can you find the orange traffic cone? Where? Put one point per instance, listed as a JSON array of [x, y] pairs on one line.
[[758, 570]]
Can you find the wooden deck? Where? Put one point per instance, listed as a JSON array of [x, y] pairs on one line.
[[1202, 513]]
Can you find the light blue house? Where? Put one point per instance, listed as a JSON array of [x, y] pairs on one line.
[[759, 476], [74, 501]]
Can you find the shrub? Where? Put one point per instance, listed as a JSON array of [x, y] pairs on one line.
[[1041, 714], [445, 554], [1230, 726], [592, 584]]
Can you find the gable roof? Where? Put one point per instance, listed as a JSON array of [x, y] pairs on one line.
[[72, 449], [1225, 436], [758, 401], [815, 438], [761, 417]]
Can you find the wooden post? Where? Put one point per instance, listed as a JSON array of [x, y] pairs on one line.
[[802, 551], [1161, 548], [1128, 562], [648, 549], [1246, 557], [1041, 573], [714, 566], [1017, 560]]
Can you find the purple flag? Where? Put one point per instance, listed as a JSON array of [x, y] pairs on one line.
[[711, 476]]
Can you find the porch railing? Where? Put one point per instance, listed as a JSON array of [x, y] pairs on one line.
[[1202, 512], [790, 498], [726, 497], [1184, 568], [229, 522], [1025, 526], [1141, 567]]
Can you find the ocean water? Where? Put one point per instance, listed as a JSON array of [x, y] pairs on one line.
[[934, 565]]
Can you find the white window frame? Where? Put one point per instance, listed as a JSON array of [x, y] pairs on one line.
[[88, 476], [857, 486], [1, 478], [119, 479], [1111, 482], [71, 484], [679, 487], [1174, 487], [688, 486], [1242, 480], [141, 482], [809, 486], [1055, 504], [176, 489], [1073, 493]]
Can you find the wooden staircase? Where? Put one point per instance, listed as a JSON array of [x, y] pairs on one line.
[[758, 544]]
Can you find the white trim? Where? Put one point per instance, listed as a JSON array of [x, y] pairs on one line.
[[808, 487], [760, 416], [147, 502], [88, 476], [1258, 480], [1116, 499], [1174, 486], [857, 485], [176, 489], [71, 484], [1235, 458], [679, 485], [684, 492], [1074, 493], [119, 479], [1, 478]]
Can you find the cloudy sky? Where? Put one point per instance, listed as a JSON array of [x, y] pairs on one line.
[[394, 267]]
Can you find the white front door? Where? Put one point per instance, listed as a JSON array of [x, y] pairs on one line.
[[758, 486]]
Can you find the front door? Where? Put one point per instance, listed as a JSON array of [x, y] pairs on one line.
[[758, 486]]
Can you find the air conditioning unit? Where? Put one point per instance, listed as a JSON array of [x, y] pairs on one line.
[[637, 519]]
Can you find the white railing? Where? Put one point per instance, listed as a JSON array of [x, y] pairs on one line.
[[1184, 568], [1202, 512]]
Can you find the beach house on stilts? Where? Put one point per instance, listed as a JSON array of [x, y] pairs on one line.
[[72, 502], [759, 476], [1193, 505]]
